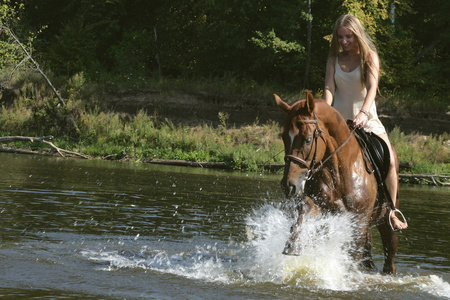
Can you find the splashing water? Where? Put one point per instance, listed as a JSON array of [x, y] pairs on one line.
[[322, 247], [323, 261]]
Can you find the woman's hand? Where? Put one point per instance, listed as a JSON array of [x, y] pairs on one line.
[[360, 120]]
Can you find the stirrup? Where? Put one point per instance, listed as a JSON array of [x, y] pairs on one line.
[[403, 217]]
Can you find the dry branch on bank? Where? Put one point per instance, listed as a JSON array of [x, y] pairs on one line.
[[433, 179], [43, 140]]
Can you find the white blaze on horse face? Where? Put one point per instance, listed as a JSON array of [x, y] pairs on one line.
[[296, 178], [292, 133], [302, 179], [302, 184]]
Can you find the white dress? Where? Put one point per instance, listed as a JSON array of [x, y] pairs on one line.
[[349, 98]]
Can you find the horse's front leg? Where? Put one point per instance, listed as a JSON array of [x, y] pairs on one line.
[[364, 254], [305, 207], [390, 244]]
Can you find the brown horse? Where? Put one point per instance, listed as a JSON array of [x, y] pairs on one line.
[[325, 172]]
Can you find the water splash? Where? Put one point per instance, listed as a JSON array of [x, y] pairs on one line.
[[323, 262], [323, 246]]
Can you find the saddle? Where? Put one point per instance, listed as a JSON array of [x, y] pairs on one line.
[[376, 152]]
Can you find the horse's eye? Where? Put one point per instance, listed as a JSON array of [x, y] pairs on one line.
[[308, 140]]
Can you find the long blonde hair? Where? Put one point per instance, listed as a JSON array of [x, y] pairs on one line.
[[353, 24]]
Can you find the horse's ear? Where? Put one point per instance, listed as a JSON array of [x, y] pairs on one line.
[[281, 104], [310, 102]]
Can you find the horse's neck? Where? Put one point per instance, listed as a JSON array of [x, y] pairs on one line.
[[342, 146], [338, 134]]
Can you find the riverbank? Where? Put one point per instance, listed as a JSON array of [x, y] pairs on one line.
[[237, 129]]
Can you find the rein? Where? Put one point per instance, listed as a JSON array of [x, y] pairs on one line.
[[317, 133]]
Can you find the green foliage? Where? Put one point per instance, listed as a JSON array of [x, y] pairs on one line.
[[271, 41], [10, 56], [75, 48], [259, 41], [10, 52], [369, 12], [277, 52], [146, 137], [426, 153], [132, 54], [9, 12]]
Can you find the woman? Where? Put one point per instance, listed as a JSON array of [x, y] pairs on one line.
[[352, 79]]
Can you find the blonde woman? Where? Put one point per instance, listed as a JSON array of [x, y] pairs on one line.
[[352, 82]]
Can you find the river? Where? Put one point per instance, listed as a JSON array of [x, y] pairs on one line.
[[79, 229]]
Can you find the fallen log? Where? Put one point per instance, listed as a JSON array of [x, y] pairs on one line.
[[43, 140]]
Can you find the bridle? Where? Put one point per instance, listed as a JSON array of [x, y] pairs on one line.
[[311, 166]]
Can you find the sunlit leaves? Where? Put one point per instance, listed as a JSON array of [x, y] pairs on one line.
[[270, 40]]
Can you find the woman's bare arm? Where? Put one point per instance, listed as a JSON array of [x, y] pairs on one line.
[[371, 81], [330, 85]]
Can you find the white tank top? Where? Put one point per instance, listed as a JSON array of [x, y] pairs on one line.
[[349, 98]]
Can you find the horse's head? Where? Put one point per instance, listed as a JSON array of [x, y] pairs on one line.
[[304, 143]]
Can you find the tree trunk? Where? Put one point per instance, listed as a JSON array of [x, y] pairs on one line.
[[156, 51], [392, 13], [308, 48]]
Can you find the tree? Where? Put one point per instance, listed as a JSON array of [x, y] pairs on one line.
[[431, 63], [10, 52], [78, 34]]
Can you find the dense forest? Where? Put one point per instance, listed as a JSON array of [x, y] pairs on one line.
[[283, 42]]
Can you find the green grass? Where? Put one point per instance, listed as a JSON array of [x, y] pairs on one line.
[[426, 154]]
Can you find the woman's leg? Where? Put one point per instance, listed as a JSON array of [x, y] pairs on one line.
[[392, 186]]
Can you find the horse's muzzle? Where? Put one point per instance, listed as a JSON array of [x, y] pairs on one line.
[[293, 188]]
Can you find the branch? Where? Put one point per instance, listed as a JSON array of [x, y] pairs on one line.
[[40, 140], [427, 177], [28, 56], [425, 51], [18, 66]]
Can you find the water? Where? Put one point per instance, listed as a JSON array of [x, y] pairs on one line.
[[74, 229]]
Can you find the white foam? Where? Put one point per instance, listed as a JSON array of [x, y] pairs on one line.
[[434, 285], [322, 249], [323, 262]]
